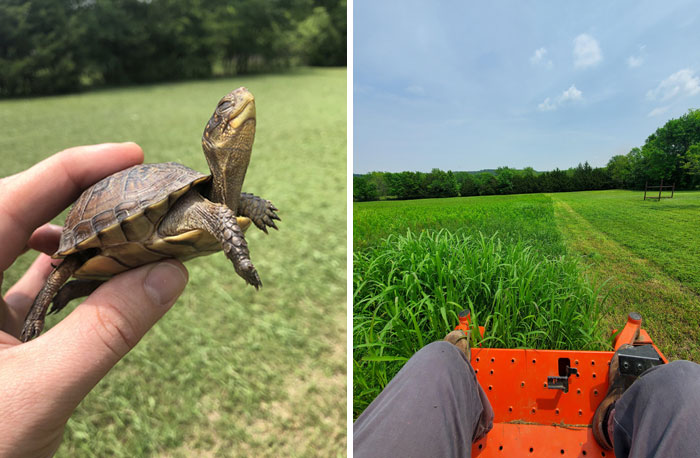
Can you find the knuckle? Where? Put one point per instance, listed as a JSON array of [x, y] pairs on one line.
[[114, 328]]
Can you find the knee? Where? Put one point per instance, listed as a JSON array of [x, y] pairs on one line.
[[439, 354], [682, 377]]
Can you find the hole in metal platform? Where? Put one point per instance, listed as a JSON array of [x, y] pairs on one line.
[[602, 453], [534, 361], [593, 363], [500, 447], [510, 408], [490, 387], [534, 410], [585, 453], [493, 360], [561, 451], [512, 360], [594, 376], [563, 364], [481, 446], [595, 392], [491, 371], [532, 449], [477, 359], [556, 411], [580, 413]]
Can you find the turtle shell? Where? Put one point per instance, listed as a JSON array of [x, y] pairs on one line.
[[119, 214]]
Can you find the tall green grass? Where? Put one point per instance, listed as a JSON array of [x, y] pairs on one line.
[[409, 289], [527, 218]]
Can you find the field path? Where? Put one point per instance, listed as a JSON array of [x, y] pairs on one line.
[[671, 311]]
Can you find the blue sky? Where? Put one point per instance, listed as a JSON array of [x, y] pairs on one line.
[[473, 85]]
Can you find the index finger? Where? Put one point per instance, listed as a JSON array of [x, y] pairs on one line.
[[35, 196]]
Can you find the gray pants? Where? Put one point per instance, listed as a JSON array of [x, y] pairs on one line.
[[433, 407]]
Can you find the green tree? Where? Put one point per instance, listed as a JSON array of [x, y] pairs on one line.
[[620, 171], [468, 185], [39, 47], [363, 189], [665, 150], [504, 180], [323, 34], [691, 163]]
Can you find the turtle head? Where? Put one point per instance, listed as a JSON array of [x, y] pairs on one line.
[[227, 142]]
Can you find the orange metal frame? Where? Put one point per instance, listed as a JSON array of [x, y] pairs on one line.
[[532, 420]]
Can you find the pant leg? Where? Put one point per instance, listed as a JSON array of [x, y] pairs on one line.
[[431, 408], [659, 415]]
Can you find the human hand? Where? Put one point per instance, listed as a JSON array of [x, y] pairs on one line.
[[43, 381]]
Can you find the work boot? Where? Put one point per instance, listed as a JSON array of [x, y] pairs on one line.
[[618, 384], [460, 339]]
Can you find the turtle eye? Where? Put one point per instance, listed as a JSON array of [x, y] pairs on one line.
[[225, 105]]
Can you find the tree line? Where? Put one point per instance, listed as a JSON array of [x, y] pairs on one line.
[[55, 46], [672, 153]]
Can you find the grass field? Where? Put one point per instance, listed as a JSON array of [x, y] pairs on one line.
[[602, 254], [229, 371]]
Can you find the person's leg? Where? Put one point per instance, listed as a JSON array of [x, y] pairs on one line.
[[432, 407], [659, 415]]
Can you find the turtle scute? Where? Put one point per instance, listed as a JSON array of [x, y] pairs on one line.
[[125, 206]]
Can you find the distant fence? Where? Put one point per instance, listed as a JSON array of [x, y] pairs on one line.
[[661, 187]]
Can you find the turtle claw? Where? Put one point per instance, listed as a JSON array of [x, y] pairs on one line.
[[31, 330], [250, 275], [260, 211]]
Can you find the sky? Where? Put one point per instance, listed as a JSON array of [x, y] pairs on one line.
[[463, 85]]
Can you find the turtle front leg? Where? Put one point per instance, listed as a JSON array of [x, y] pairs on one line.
[[34, 322], [260, 211], [193, 211]]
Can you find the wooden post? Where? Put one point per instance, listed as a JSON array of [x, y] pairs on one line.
[[646, 185], [673, 189], [661, 187]]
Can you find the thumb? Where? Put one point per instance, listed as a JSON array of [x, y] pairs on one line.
[[100, 331]]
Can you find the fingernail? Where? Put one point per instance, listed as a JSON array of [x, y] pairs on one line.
[[164, 282]]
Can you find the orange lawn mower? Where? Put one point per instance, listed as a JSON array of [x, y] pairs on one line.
[[544, 400]]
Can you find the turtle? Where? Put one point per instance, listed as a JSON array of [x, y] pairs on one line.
[[150, 212]]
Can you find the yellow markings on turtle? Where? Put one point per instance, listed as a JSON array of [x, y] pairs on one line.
[[156, 211], [187, 245], [112, 235], [92, 242], [243, 222], [100, 268], [137, 227]]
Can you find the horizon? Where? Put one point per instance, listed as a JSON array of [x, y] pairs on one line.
[[444, 87]]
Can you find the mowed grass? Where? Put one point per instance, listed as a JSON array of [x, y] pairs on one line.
[[648, 253], [666, 232], [229, 371]]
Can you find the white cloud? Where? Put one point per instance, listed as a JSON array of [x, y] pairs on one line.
[[683, 82], [657, 111], [634, 61], [539, 58], [586, 51], [638, 59], [547, 105], [572, 94]]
